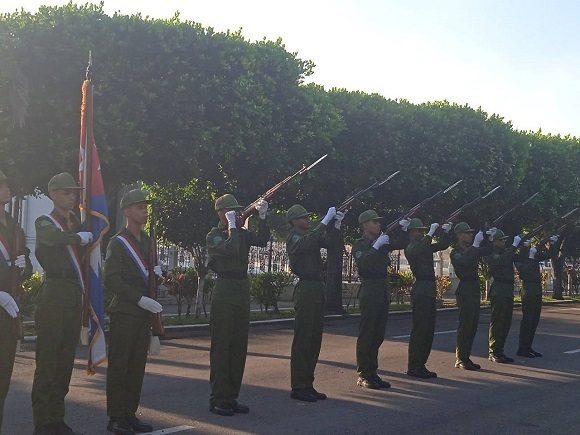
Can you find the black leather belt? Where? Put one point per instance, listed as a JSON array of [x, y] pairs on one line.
[[66, 274], [310, 278], [504, 281], [233, 275]]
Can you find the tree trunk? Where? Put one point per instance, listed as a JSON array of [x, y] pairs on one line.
[[334, 273]]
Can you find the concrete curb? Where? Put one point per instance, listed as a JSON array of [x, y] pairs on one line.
[[181, 331]]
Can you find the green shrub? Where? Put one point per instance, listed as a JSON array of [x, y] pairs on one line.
[[266, 288]]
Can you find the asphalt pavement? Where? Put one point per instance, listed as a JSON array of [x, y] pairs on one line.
[[532, 396]]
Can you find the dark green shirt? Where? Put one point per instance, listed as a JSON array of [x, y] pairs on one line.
[[228, 250], [501, 268], [304, 252], [529, 270], [7, 233], [373, 267], [466, 265], [420, 257], [122, 275], [61, 285]]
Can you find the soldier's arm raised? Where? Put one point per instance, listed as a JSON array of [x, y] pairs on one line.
[[49, 235], [225, 247]]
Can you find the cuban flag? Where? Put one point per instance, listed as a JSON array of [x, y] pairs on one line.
[[93, 205]]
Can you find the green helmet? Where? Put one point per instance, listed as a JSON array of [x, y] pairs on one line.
[[416, 224], [133, 197], [368, 215], [295, 212], [500, 235], [463, 227], [226, 201], [63, 180]]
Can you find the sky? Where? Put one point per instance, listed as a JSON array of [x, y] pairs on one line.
[[519, 59]]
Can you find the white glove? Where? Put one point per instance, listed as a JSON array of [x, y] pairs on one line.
[[231, 217], [432, 229], [533, 252], [478, 239], [86, 237], [517, 240], [383, 239], [404, 224], [554, 238], [330, 215], [20, 262], [491, 233], [446, 227], [9, 304], [150, 305], [528, 243], [157, 271], [262, 207], [338, 219]]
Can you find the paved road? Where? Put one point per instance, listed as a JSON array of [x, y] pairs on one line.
[[529, 397]]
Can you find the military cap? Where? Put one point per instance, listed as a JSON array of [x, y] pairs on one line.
[[500, 235], [463, 227], [63, 180], [416, 224], [368, 215], [226, 201], [133, 197], [295, 212]]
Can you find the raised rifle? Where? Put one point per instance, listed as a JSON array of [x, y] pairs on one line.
[[157, 328], [414, 210], [457, 213], [351, 199], [250, 209], [15, 272], [539, 228], [496, 222]]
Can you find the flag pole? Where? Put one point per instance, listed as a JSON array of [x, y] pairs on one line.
[[87, 113]]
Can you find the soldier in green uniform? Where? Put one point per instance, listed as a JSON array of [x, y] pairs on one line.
[[303, 248], [58, 305], [126, 276], [8, 306], [371, 254], [465, 260], [501, 295], [528, 266], [419, 254], [228, 248]]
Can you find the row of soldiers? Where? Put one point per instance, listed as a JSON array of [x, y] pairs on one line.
[[59, 236]]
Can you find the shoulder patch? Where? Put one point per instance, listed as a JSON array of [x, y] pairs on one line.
[[496, 256], [109, 253], [44, 223], [357, 254], [295, 237], [217, 240], [457, 255]]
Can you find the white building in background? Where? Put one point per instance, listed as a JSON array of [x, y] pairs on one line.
[[32, 208]]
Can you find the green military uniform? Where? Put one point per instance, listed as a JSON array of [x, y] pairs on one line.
[[7, 339], [305, 261], [501, 296], [130, 326], [58, 317], [468, 294], [419, 254], [529, 271], [375, 298], [230, 307]]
